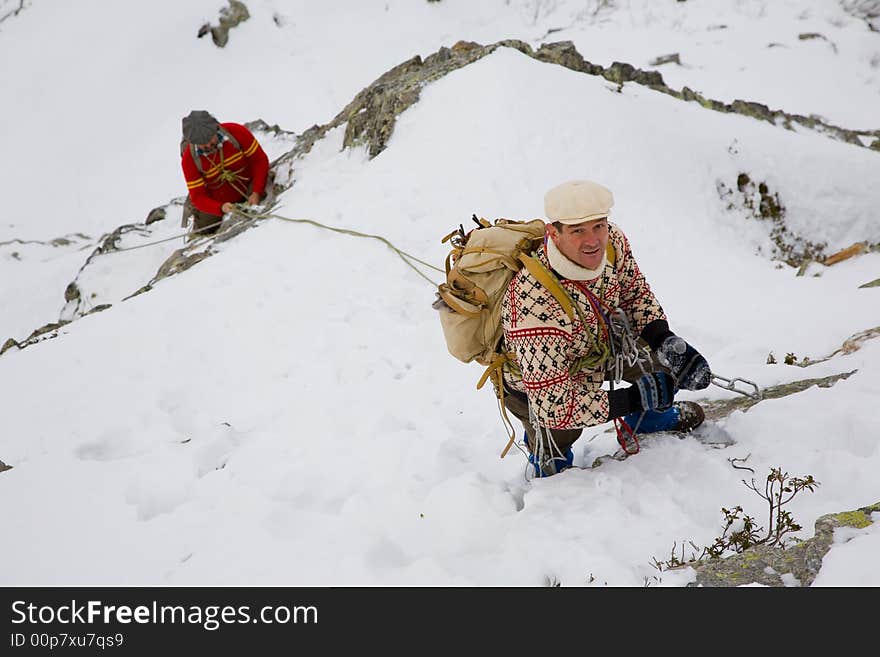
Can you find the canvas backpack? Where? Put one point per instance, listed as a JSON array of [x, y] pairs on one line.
[[479, 268]]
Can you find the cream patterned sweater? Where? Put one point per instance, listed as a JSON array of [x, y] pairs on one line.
[[546, 343]]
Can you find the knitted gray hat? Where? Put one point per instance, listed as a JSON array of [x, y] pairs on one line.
[[199, 126]]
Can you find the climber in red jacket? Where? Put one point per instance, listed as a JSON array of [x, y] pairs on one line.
[[222, 164]]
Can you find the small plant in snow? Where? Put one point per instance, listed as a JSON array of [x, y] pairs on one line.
[[741, 531]]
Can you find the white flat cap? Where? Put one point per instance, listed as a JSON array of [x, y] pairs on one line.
[[577, 201]]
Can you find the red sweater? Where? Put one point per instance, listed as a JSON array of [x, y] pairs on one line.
[[226, 178]]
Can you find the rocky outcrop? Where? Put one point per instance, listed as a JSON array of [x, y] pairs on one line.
[[371, 115], [230, 16], [774, 566], [867, 10], [720, 408], [65, 240], [758, 202], [10, 9], [565, 54], [852, 344], [49, 330], [755, 200], [74, 301], [199, 249]]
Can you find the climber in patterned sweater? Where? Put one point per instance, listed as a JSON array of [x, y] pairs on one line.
[[223, 164], [554, 386]]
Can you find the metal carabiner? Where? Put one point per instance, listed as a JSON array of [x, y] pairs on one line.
[[731, 385]]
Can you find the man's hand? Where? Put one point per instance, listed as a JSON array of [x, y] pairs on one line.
[[253, 199], [227, 207], [652, 392], [690, 369]]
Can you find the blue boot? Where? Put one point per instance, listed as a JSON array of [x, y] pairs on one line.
[[681, 416], [552, 466]]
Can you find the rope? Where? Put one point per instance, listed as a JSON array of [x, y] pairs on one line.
[[545, 447], [256, 215], [406, 257], [235, 178], [141, 246], [620, 329]]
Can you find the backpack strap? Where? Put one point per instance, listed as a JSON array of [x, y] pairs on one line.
[[462, 295], [229, 136], [198, 161], [495, 372], [550, 283]]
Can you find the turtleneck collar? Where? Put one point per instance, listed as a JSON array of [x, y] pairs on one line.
[[571, 270]]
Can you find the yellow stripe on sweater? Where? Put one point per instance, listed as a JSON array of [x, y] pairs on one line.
[[213, 171]]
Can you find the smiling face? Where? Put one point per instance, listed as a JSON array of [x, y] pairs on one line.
[[584, 244]]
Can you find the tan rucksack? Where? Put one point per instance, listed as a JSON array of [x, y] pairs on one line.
[[478, 270]]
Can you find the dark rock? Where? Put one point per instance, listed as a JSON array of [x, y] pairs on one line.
[[230, 17], [441, 56], [761, 204], [99, 308], [755, 110], [71, 292], [666, 59], [621, 72], [179, 262], [259, 125], [815, 35], [688, 94], [565, 54], [36, 336], [516, 44], [156, 214]]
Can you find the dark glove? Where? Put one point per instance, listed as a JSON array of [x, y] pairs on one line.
[[690, 369], [652, 392]]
